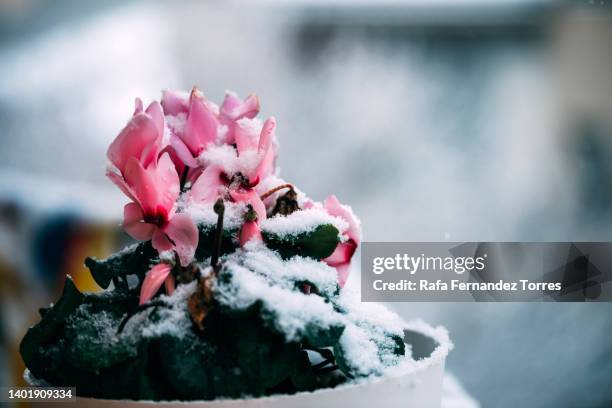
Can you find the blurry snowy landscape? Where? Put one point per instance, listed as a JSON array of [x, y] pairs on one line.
[[480, 121]]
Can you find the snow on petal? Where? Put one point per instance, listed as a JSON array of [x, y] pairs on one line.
[[174, 102], [247, 133], [233, 108]]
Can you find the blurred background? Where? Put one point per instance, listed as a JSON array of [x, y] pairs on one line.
[[459, 120]]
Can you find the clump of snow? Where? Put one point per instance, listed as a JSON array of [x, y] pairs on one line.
[[289, 272], [301, 221], [255, 276], [170, 319], [177, 122], [224, 155], [360, 352], [203, 213], [252, 127], [369, 313], [221, 134]]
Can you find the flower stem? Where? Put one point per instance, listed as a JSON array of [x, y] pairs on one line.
[[275, 189], [184, 178], [219, 209]]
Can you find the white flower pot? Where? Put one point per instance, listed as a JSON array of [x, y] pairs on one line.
[[419, 386]]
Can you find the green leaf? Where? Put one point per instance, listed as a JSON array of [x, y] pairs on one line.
[[134, 260], [317, 244], [303, 376], [312, 334], [37, 348], [92, 343], [262, 356]]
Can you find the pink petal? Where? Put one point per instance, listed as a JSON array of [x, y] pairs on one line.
[[341, 260], [245, 137], [184, 234], [231, 102], [201, 125], [140, 132], [168, 183], [153, 281], [265, 152], [160, 241], [308, 204], [156, 188], [250, 197], [265, 166], [233, 108], [250, 231], [206, 188], [342, 254], [333, 207], [343, 273], [174, 102], [267, 135], [178, 163], [143, 186], [154, 110], [120, 182], [138, 106], [134, 225], [182, 151]]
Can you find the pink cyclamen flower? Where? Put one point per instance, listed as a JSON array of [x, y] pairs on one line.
[[154, 191], [157, 275], [192, 122], [342, 255], [141, 138], [233, 109], [256, 149]]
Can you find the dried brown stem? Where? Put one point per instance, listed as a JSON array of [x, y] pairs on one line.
[[275, 189]]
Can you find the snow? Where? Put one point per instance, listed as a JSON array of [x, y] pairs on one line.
[[259, 274], [301, 221], [227, 157], [172, 320], [177, 122], [251, 126], [296, 269], [255, 276], [203, 213], [359, 351], [370, 313]]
